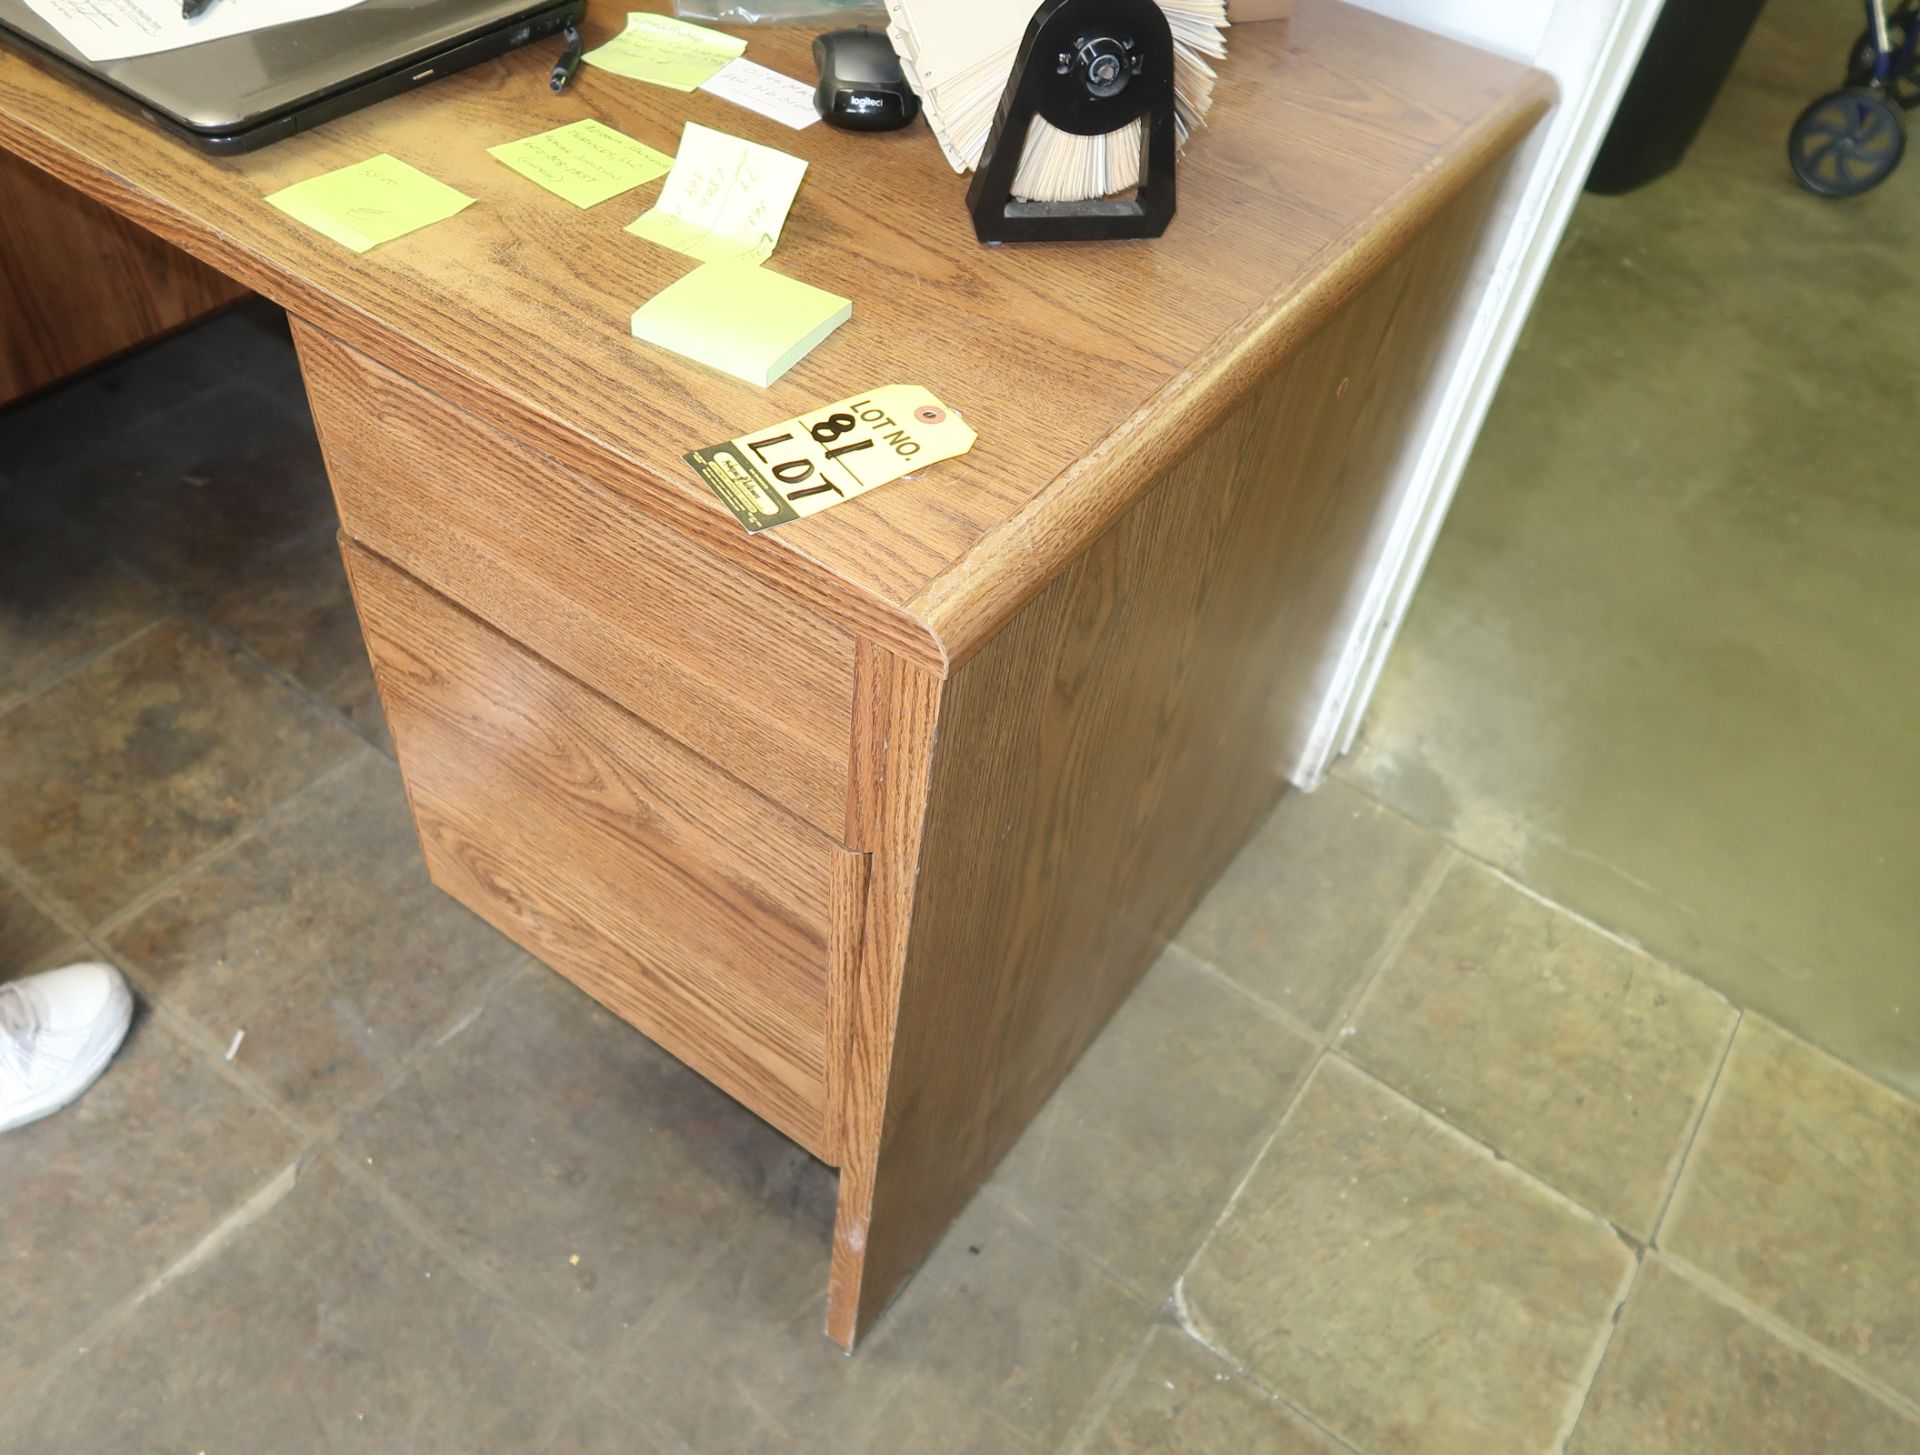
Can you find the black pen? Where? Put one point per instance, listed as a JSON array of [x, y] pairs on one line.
[[563, 68], [191, 8]]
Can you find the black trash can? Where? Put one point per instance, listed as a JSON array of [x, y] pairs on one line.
[[1688, 58]]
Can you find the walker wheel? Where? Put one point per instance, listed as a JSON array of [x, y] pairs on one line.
[[1847, 143], [1905, 85]]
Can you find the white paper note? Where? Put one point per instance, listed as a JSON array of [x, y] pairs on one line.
[[760, 88], [112, 30], [724, 200]]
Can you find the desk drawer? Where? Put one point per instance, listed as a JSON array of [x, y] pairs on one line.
[[590, 581], [705, 915]]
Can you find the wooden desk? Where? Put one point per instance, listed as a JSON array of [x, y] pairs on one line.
[[873, 819]]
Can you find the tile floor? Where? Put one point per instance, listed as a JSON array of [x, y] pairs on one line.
[[1665, 665], [1386, 1155]]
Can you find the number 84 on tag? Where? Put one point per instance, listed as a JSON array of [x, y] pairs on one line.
[[814, 461]]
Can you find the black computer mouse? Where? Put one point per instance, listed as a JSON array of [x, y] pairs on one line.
[[862, 87]]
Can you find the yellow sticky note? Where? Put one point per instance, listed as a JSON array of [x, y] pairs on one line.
[[725, 199], [586, 163], [665, 51], [807, 464], [741, 319], [370, 202]]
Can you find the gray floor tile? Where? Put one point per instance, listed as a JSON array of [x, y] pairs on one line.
[[246, 344], [60, 597], [295, 611], [1002, 1327], [1582, 1060], [1137, 1153], [101, 1198], [1802, 1194], [320, 937], [549, 1130], [320, 1327], [147, 757], [1302, 915], [29, 938], [599, 1427], [1688, 1375], [927, 1427], [1403, 1288], [1006, 1320], [753, 1323], [1182, 1398], [192, 495]]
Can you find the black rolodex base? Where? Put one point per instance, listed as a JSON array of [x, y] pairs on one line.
[[1088, 67]]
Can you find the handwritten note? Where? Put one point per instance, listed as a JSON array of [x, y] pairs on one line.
[[759, 88], [586, 163], [665, 51], [747, 321], [111, 30], [725, 199], [369, 203]]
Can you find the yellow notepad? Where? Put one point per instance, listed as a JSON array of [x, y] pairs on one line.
[[725, 200], [665, 51], [586, 163], [743, 320], [370, 202]]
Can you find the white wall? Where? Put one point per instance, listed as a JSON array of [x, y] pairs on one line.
[[1589, 47], [1512, 27]]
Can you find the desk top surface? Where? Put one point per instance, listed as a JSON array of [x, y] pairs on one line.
[[1085, 368]]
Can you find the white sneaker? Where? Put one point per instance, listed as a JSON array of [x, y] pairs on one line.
[[58, 1031]]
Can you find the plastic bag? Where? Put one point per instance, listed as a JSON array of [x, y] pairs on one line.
[[823, 13]]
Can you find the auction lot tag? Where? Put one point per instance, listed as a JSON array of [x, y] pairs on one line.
[[804, 465]]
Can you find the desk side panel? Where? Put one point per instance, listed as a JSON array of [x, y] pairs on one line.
[[79, 283], [1106, 753]]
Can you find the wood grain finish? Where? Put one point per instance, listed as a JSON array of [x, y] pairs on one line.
[[79, 285], [904, 701], [694, 908], [1330, 139], [966, 603], [1102, 757], [734, 669]]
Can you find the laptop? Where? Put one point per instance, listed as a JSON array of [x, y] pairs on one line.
[[243, 91]]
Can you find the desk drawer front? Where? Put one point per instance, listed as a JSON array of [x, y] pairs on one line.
[[688, 904], [591, 582]]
